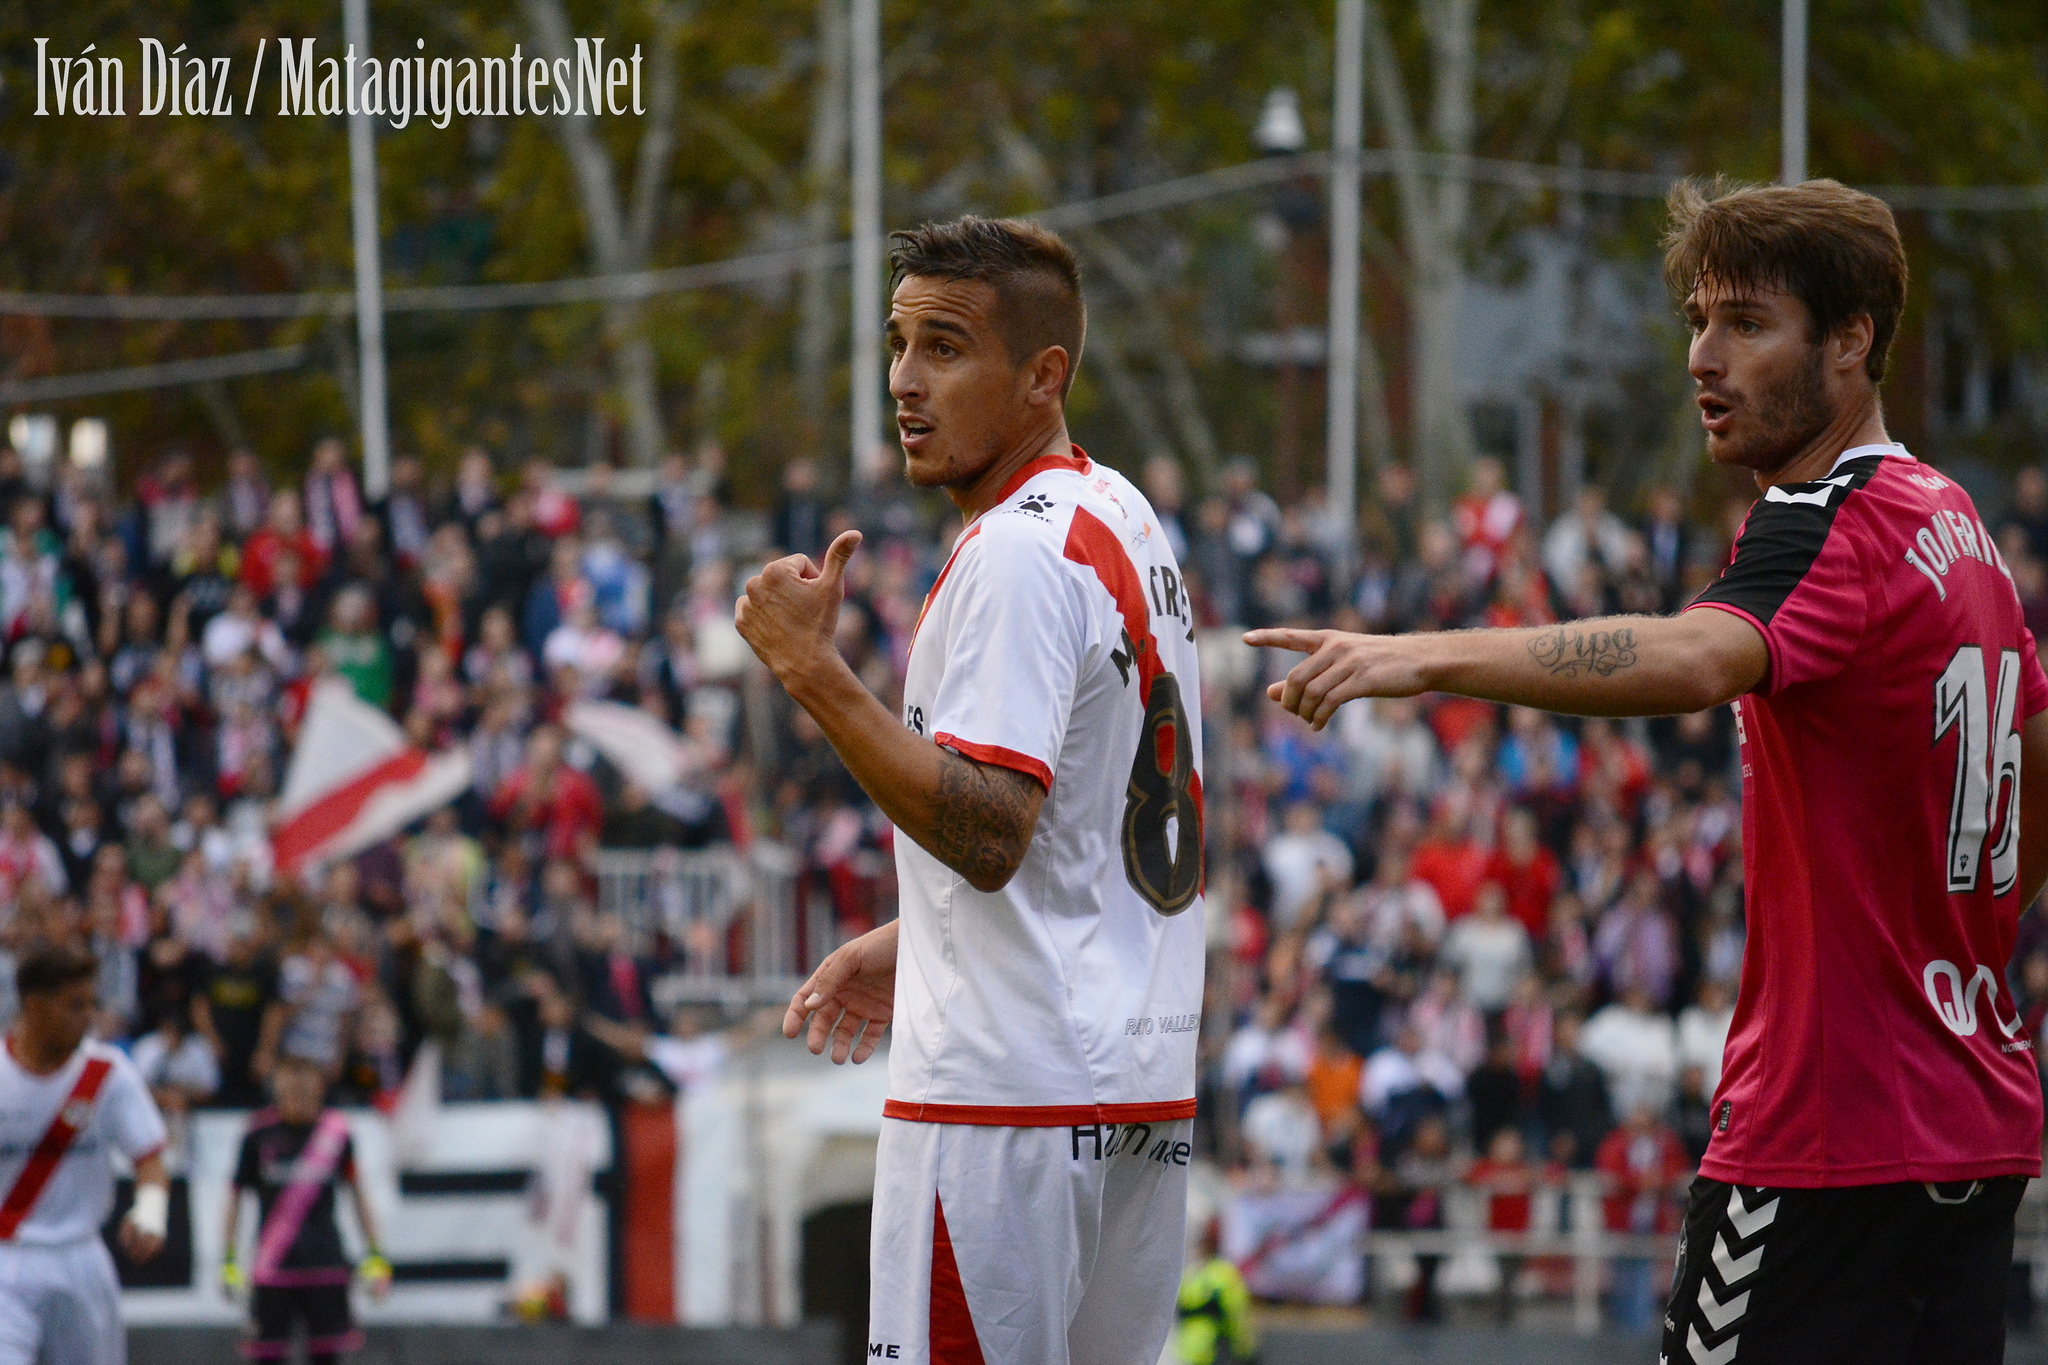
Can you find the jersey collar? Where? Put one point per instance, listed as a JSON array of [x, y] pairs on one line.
[[1892, 448], [1078, 462]]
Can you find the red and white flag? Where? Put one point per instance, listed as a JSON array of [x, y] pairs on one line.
[[652, 756], [354, 780]]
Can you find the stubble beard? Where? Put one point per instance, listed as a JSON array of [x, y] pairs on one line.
[[1789, 416], [961, 471]]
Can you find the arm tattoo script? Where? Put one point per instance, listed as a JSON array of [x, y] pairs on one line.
[[984, 819], [1569, 652]]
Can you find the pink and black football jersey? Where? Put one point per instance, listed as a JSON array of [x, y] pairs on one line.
[[1875, 1038]]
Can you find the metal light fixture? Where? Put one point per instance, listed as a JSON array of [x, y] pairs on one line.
[[1280, 131]]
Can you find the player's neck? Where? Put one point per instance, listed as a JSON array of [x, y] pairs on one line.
[[987, 488], [37, 1056], [1857, 424]]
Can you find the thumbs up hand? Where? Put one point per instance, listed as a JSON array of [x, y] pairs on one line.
[[791, 609]]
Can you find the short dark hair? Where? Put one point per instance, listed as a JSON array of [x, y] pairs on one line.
[[1036, 277], [1836, 249], [50, 967]]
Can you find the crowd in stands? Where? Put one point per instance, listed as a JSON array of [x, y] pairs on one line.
[[1450, 941]]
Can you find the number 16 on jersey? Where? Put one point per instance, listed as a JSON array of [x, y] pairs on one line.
[[1987, 766]]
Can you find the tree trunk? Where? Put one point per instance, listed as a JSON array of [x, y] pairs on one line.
[[1184, 404], [825, 162], [1434, 211], [621, 237]]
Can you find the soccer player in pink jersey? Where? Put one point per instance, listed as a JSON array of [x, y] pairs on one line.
[[1044, 977], [1879, 1112]]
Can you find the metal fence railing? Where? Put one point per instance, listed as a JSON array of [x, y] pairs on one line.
[[744, 933], [1567, 1225]]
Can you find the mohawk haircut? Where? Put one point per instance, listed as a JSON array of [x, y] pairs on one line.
[[1835, 249], [1034, 273]]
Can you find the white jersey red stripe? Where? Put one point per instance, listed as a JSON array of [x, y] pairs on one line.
[[1058, 642], [66, 1189]]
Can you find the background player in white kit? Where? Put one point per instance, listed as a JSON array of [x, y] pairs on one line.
[[66, 1103], [1045, 975]]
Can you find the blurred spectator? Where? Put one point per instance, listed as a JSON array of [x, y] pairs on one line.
[[1495, 1090], [1668, 543], [1572, 1102], [798, 525], [1636, 1049], [2029, 510], [1508, 1181], [547, 801], [1414, 1202], [1527, 872], [1636, 943], [1586, 537], [1487, 517], [318, 997], [1266, 1053], [1333, 1077], [1450, 856], [233, 1010], [1703, 1032], [1646, 1166], [1405, 1082], [245, 497], [1281, 1126], [334, 507], [1489, 951], [1303, 862]]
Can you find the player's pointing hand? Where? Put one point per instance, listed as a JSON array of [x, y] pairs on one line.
[[791, 608], [1340, 667]]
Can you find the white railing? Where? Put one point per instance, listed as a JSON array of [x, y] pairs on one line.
[[744, 932], [1568, 1221]]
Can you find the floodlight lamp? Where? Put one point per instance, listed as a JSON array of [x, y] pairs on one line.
[[1280, 131]]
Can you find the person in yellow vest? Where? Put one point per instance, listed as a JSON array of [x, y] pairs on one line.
[[1215, 1310]]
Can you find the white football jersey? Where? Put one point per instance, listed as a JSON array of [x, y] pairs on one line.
[[80, 1194], [1058, 641]]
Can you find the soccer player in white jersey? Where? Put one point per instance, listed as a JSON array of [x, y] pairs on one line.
[[1045, 974], [66, 1103]]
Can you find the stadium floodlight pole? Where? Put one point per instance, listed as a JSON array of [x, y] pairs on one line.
[[1347, 132], [866, 85], [1792, 75], [362, 177]]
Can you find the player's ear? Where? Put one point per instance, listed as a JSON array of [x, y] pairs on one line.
[[1850, 343], [1048, 374]]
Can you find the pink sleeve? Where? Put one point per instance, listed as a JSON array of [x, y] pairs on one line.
[[1815, 630]]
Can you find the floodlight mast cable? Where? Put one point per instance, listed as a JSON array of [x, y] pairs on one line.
[[868, 448], [1792, 113], [362, 177], [1347, 132]]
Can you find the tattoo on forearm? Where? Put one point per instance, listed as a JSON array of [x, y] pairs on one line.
[[984, 820], [1569, 652]]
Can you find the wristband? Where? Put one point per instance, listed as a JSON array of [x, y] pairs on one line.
[[151, 1212], [231, 1273]]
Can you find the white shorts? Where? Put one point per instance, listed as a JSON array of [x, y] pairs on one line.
[[1060, 1246], [62, 1301]]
